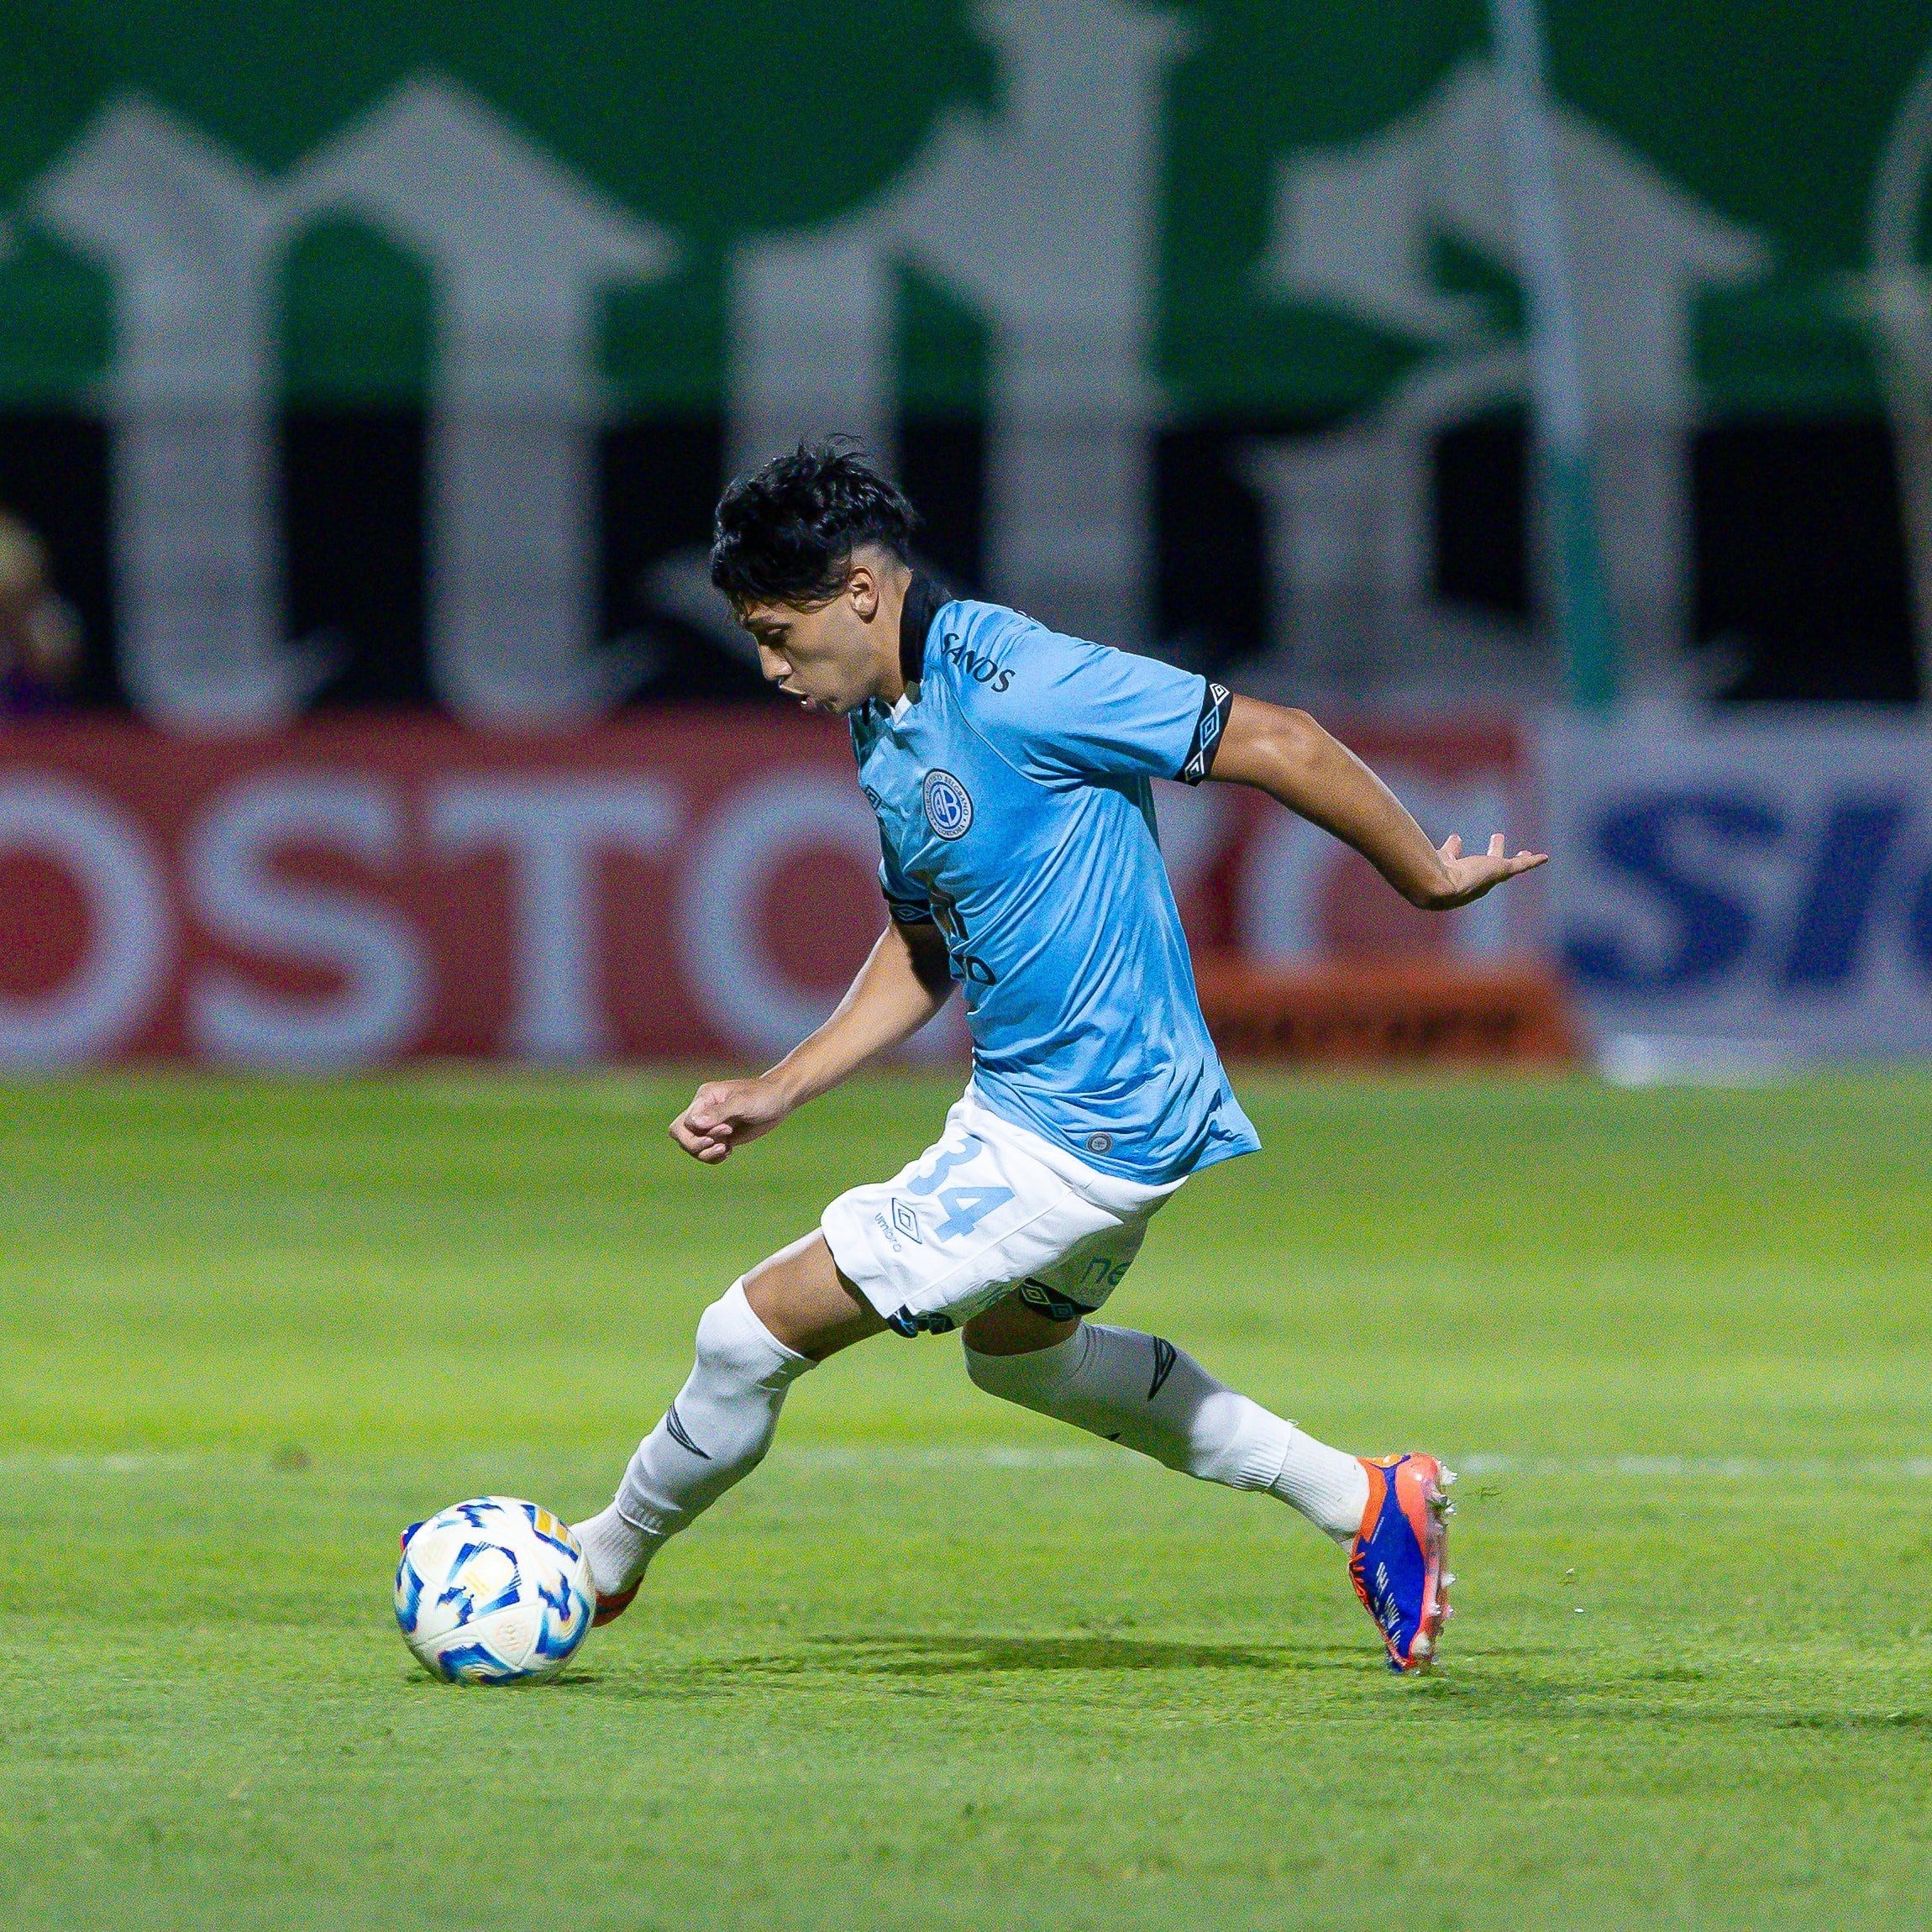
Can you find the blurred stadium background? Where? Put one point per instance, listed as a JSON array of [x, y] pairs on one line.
[[1554, 421], [360, 418]]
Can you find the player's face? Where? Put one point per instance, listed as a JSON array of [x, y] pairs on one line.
[[828, 658]]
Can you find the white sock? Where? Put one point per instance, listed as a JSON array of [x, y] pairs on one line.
[[1138, 1390], [712, 1435]]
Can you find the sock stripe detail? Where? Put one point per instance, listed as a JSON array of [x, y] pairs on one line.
[[1165, 1356], [681, 1435]]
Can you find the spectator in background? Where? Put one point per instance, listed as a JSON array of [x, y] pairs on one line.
[[39, 639]]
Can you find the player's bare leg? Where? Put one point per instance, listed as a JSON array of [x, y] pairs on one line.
[[1015, 1327], [808, 1305], [767, 1330]]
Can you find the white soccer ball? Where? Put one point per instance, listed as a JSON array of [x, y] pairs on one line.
[[493, 1591]]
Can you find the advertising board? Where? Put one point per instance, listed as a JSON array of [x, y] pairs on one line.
[[696, 884], [1759, 885]]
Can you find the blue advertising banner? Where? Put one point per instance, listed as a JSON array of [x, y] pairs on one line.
[[1755, 889]]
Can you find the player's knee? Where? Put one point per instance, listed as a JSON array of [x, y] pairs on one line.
[[986, 1372], [1032, 1378], [732, 1342]]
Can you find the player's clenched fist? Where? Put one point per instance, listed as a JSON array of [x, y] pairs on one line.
[[725, 1114]]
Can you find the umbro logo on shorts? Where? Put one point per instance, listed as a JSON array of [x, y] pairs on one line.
[[906, 1221], [1054, 1304]]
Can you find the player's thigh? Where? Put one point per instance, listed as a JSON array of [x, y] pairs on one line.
[[1047, 1305], [801, 1296], [1078, 1282], [949, 1235]]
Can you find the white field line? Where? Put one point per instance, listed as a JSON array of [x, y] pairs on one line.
[[826, 1458], [1664, 1468], [41, 1462], [876, 1456], [1476, 1463]]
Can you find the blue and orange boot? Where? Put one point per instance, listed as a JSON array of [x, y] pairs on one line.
[[1395, 1561], [610, 1609]]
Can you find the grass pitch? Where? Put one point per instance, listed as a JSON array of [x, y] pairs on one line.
[[940, 1664]]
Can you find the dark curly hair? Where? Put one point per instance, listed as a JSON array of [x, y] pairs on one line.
[[785, 534]]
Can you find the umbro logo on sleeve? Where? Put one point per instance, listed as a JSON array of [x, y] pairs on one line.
[[1216, 702]]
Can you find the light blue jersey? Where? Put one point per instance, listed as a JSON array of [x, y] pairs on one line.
[[1012, 789]]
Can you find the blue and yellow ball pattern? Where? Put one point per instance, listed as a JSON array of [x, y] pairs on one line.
[[495, 1590]]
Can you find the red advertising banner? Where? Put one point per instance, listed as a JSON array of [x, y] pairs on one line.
[[696, 883]]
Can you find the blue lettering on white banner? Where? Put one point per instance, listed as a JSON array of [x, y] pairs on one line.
[[1760, 883]]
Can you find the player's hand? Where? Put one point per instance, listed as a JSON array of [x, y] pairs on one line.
[[726, 1113], [1470, 876]]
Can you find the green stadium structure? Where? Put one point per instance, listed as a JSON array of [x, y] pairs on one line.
[[1075, 224]]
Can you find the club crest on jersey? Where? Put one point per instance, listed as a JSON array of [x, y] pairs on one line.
[[948, 806]]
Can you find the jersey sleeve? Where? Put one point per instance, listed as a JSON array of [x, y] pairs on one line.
[[905, 900], [1078, 709]]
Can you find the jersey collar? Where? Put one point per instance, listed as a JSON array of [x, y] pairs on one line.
[[925, 598]]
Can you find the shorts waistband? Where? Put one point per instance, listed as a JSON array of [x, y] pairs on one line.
[[1110, 1191]]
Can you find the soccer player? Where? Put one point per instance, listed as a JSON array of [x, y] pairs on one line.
[[1009, 770]]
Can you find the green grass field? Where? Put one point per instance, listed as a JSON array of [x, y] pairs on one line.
[[940, 1664]]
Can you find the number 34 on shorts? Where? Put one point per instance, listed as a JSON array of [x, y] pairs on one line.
[[990, 1207], [964, 1206]]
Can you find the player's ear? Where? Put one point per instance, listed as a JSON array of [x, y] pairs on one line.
[[862, 589]]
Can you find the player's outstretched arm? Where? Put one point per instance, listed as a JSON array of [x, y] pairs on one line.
[[1287, 754], [901, 986]]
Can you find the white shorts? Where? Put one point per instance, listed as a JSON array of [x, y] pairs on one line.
[[987, 1210]]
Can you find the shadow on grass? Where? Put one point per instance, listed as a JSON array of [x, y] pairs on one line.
[[931, 1655], [1486, 1689], [928, 1655]]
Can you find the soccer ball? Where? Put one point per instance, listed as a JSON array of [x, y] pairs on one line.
[[493, 1591]]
